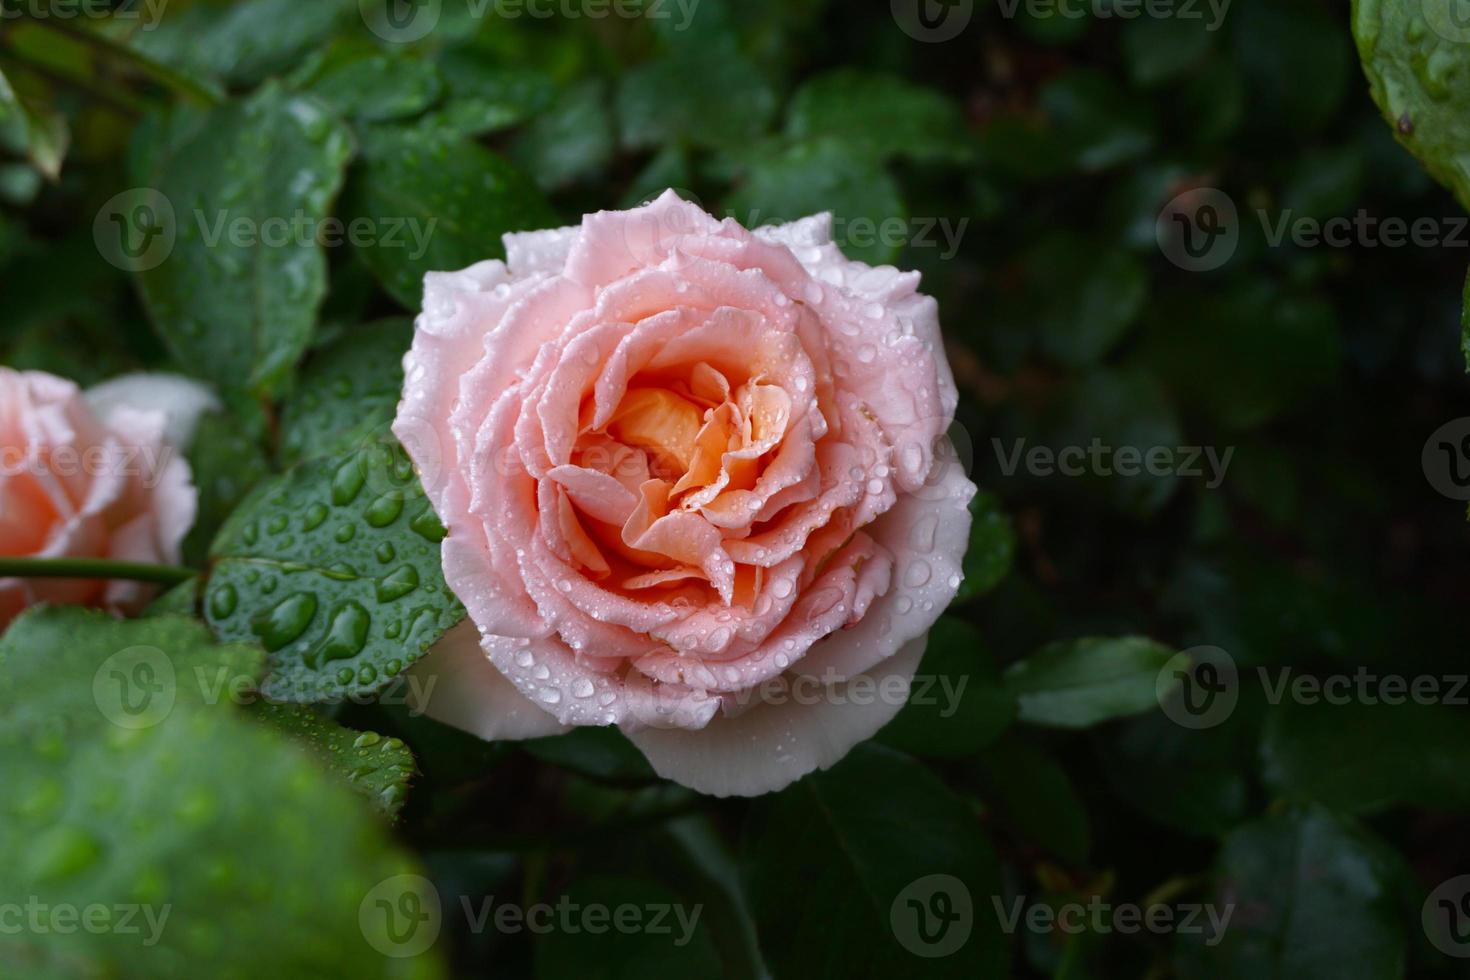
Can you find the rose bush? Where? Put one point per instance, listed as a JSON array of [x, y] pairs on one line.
[[94, 477], [697, 485]]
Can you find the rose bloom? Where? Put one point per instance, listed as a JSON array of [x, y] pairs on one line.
[[91, 479], [697, 485]]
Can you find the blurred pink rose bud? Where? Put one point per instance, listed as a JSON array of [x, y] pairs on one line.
[[93, 477], [697, 485]]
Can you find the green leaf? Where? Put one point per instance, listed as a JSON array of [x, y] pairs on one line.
[[227, 462], [244, 42], [810, 177], [732, 103], [1414, 58], [1313, 896], [133, 785], [486, 96], [1080, 683], [334, 568], [1101, 125], [601, 753], [956, 704], [881, 115], [45, 131], [365, 84], [1088, 296], [1465, 322], [347, 394], [678, 946], [1364, 758], [449, 198], [59, 672], [572, 140], [1247, 355], [992, 547], [1196, 781], [1279, 44], [879, 840], [1035, 798], [378, 768], [237, 299], [1158, 49]]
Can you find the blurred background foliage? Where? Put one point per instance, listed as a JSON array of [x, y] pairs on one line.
[[1047, 146]]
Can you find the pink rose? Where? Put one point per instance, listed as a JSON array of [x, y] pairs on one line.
[[91, 478], [697, 485]]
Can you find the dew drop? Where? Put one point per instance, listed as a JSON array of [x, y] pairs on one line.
[[427, 526], [384, 510], [223, 601], [285, 621], [398, 583], [347, 482], [347, 632], [917, 573]]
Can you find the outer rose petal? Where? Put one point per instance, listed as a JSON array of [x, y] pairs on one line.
[[458, 685], [927, 534], [182, 402], [771, 746]]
